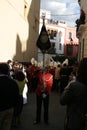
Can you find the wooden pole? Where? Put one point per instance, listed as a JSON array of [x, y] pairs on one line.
[[43, 60]]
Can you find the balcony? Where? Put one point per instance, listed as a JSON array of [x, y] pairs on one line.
[[80, 23]]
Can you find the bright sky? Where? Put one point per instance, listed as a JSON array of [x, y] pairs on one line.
[[63, 10]]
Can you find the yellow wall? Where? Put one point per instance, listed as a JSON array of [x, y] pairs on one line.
[[18, 35]]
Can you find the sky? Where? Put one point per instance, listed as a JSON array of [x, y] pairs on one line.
[[62, 10]]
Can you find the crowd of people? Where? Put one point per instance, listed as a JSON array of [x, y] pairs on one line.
[[74, 97], [19, 79]]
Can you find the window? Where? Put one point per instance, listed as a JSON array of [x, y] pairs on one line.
[[48, 31], [70, 35], [52, 33], [60, 36], [60, 46], [55, 32]]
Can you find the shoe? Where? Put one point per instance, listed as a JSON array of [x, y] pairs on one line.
[[36, 122]]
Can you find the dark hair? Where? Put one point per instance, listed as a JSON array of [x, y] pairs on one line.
[[82, 71], [9, 61], [4, 68], [58, 65], [64, 65], [19, 75]]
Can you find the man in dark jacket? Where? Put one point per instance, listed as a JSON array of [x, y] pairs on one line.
[[9, 94], [74, 97]]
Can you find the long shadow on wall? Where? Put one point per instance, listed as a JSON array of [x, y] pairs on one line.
[[31, 42], [18, 49], [31, 48]]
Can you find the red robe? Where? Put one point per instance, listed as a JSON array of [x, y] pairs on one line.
[[45, 82]]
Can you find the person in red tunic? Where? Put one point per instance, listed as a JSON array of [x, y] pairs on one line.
[[31, 77], [52, 71], [43, 90]]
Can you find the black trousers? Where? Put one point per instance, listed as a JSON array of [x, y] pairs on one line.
[[39, 102], [19, 106]]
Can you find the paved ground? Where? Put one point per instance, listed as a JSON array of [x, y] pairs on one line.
[[56, 114]]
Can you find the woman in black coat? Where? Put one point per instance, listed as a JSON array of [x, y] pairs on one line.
[[75, 98]]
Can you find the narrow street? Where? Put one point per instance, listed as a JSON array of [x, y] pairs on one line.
[[56, 114]]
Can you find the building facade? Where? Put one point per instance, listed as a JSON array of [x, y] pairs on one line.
[[82, 29], [71, 42], [19, 29], [60, 36]]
